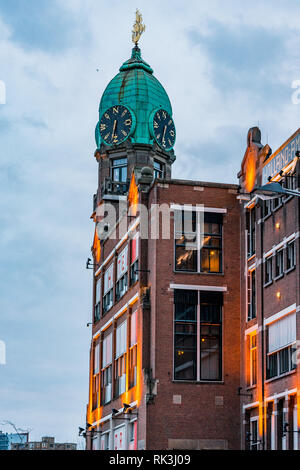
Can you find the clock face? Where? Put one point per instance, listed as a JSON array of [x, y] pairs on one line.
[[115, 125], [164, 129]]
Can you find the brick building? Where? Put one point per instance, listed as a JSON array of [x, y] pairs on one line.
[[195, 287], [165, 349], [270, 296]]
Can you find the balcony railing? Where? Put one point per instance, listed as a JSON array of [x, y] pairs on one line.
[[117, 188]]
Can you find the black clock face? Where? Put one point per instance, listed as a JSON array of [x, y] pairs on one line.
[[164, 129], [115, 125]]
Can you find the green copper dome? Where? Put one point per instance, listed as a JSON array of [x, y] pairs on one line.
[[136, 88]]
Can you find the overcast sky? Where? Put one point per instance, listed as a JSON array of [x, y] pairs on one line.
[[226, 66]]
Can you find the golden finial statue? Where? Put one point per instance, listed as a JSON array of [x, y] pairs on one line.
[[138, 28]]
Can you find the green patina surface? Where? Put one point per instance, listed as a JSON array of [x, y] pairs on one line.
[[136, 87]]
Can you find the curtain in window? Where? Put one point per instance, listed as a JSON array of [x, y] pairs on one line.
[[282, 332]]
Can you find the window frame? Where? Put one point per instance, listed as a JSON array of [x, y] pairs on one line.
[[119, 169], [198, 335], [198, 222]]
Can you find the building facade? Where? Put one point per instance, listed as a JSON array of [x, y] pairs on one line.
[[270, 297], [47, 443], [165, 348]]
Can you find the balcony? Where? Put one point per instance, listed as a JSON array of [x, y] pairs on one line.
[[114, 188]]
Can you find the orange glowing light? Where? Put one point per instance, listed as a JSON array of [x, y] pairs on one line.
[[133, 196], [278, 295], [277, 225], [250, 172], [96, 246]]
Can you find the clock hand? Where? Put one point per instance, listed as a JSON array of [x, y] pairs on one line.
[[114, 128], [163, 137]]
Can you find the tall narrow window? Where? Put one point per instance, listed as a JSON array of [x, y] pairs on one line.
[[134, 263], [266, 208], [119, 170], [97, 311], [254, 434], [158, 170], [120, 361], [253, 359], [279, 263], [268, 269], [133, 350], [185, 338], [185, 241], [96, 376], [106, 369], [211, 251], [108, 288], [210, 335], [250, 225], [290, 255], [251, 295], [122, 276]]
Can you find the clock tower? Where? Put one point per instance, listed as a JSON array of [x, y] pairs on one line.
[[135, 127]]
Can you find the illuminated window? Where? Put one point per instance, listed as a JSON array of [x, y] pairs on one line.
[[106, 369], [268, 269], [108, 288], [251, 295], [198, 351], [122, 276], [96, 377], [185, 241], [119, 170], [279, 263], [158, 170], [253, 359], [120, 360], [133, 350], [250, 227], [211, 251], [290, 256]]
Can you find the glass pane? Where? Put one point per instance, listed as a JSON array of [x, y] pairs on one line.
[[185, 312], [186, 260], [185, 365], [210, 354]]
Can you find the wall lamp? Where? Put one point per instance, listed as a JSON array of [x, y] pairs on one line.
[[273, 190], [89, 264]]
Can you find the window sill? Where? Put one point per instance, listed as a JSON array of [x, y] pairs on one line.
[[266, 217], [268, 283], [250, 257], [281, 376], [198, 272], [290, 269], [278, 277], [199, 382]]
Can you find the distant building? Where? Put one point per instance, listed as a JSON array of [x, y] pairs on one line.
[[7, 440], [47, 443]]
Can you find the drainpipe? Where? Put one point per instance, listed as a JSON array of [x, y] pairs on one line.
[[262, 323]]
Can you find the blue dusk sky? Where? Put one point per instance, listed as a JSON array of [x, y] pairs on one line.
[[225, 65]]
